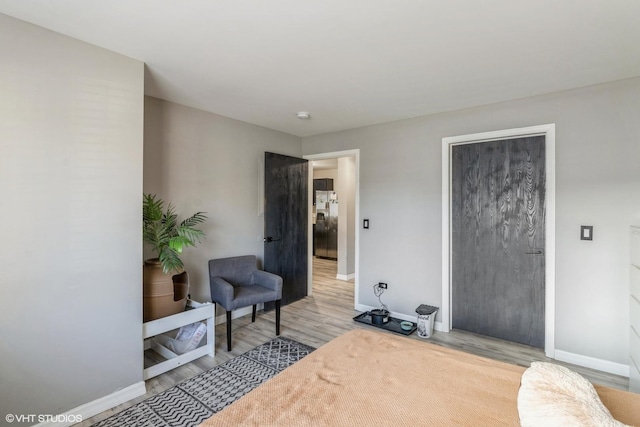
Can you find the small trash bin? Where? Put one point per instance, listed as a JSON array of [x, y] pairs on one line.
[[426, 318]]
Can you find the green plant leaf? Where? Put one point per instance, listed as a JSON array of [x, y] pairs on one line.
[[170, 261], [166, 235], [195, 219], [178, 242], [190, 235]]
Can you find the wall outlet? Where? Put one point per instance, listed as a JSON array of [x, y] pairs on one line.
[[382, 285]]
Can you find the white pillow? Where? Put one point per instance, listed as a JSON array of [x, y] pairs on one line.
[[552, 395]]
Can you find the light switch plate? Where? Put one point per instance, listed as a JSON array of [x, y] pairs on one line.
[[586, 232]]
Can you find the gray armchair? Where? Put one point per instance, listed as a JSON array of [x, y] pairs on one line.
[[236, 282]]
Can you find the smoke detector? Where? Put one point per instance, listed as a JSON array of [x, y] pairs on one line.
[[303, 115]]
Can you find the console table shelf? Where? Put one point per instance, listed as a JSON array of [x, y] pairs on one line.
[[199, 312]]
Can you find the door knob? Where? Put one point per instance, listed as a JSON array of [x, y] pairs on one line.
[[270, 239]]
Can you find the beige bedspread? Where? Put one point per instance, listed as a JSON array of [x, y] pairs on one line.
[[366, 378]]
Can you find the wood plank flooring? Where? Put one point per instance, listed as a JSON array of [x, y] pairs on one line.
[[326, 314]]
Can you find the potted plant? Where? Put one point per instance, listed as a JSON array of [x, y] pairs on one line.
[[165, 283]]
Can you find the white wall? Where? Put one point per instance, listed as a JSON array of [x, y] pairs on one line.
[[204, 162], [71, 126], [597, 183], [346, 213]]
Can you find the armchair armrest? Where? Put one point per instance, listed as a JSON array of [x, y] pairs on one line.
[[221, 291], [268, 280]]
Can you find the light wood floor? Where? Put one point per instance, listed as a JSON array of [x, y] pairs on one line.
[[326, 314]]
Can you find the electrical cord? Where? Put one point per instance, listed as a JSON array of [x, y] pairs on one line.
[[378, 291]]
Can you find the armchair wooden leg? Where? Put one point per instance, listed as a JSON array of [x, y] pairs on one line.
[[278, 317], [253, 314], [228, 330]]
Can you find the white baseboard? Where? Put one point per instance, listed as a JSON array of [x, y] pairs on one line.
[[88, 410], [237, 313], [362, 307], [345, 277], [593, 363]]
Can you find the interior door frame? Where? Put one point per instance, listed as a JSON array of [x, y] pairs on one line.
[[548, 130], [336, 155]]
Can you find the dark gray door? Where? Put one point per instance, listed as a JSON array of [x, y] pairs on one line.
[[285, 223], [498, 216]]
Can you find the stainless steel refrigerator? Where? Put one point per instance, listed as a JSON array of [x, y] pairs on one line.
[[326, 227]]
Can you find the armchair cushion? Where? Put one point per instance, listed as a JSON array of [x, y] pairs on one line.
[[250, 295]]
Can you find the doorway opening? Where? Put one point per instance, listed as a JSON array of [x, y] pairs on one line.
[[548, 131], [342, 200]]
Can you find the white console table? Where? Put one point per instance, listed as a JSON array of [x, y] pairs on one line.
[[200, 312]]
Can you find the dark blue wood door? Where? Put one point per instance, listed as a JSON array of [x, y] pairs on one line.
[[285, 223]]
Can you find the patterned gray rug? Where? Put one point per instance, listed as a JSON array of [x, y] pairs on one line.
[[195, 400]]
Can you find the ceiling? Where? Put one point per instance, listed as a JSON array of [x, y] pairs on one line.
[[353, 63]]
